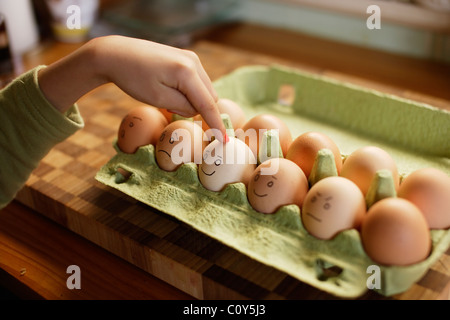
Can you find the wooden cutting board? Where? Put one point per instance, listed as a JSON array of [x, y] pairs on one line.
[[63, 188]]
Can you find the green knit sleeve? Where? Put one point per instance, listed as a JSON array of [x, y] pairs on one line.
[[29, 127]]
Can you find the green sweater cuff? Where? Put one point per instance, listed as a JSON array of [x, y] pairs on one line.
[[29, 127], [58, 125]]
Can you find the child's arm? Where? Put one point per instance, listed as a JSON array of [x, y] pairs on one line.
[[159, 75], [38, 108]]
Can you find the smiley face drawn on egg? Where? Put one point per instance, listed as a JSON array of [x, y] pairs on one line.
[[332, 205], [284, 184], [217, 160], [224, 164], [268, 185]]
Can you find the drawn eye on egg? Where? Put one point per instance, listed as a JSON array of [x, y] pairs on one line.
[[269, 184], [333, 204], [172, 140], [131, 124], [122, 129], [327, 204], [205, 156], [163, 135], [217, 162]]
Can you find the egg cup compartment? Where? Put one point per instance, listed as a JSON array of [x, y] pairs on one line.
[[416, 135]]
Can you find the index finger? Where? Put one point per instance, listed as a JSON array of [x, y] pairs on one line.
[[206, 104]]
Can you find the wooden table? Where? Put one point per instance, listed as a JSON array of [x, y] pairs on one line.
[[126, 250]]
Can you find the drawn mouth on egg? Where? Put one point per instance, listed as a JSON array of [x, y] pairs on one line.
[[313, 216], [208, 174], [165, 153], [259, 195]]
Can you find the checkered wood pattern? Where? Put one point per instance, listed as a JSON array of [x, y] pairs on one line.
[[63, 188]]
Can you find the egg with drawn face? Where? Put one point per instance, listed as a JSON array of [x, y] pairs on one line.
[[180, 142], [140, 127], [277, 182], [226, 163], [332, 205]]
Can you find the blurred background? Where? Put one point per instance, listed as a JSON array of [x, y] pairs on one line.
[[411, 28], [418, 28], [418, 31]]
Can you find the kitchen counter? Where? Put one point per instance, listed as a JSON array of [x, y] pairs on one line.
[[63, 217]]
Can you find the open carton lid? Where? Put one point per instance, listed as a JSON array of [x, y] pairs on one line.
[[416, 135]]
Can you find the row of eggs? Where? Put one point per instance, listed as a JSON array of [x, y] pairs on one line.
[[394, 230]]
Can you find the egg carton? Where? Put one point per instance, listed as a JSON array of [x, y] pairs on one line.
[[414, 134]]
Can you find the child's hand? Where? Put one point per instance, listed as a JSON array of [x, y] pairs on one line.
[[160, 75], [155, 74]]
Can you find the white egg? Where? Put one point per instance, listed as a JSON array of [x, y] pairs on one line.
[[225, 163]]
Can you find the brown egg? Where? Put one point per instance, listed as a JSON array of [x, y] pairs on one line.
[[167, 114], [226, 163], [395, 232], [332, 205], [361, 166], [140, 127], [234, 110], [429, 190], [303, 150], [275, 183], [227, 106], [180, 142], [253, 130]]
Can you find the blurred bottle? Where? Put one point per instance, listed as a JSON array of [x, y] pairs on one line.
[[21, 25], [6, 61], [72, 20]]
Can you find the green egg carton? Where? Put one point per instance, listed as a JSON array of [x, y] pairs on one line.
[[414, 134]]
